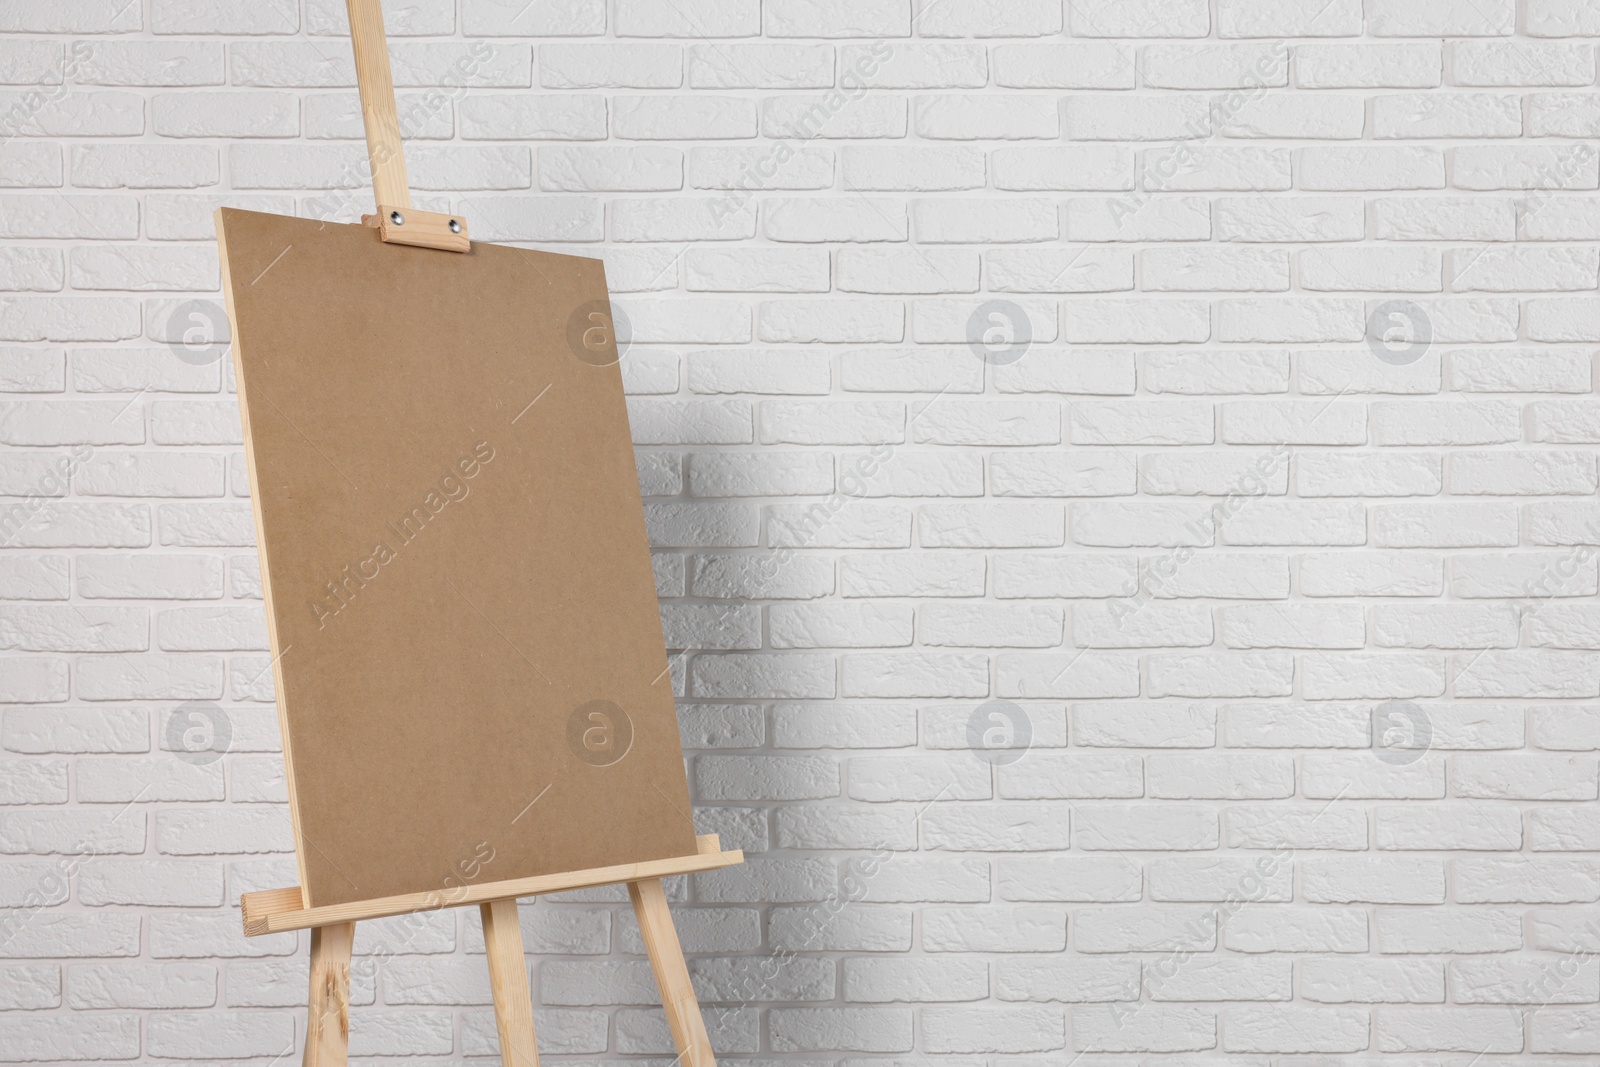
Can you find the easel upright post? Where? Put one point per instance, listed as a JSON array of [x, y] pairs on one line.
[[379, 115], [328, 1023], [397, 221]]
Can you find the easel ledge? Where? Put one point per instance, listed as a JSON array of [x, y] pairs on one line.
[[272, 911]]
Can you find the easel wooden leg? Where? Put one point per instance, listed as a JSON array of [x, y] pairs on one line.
[[508, 978], [328, 1026], [672, 974]]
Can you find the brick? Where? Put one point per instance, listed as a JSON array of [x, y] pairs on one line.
[[1292, 1028], [1215, 66], [1335, 981], [1002, 929], [1383, 167], [984, 1029], [1030, 18], [59, 1037], [969, 117], [1080, 65], [491, 18], [841, 1029], [761, 66], [1382, 880], [915, 66], [1155, 1029], [1448, 1028], [30, 165], [1432, 115], [1394, 18], [1490, 167], [1275, 115], [1291, 18], [608, 66], [1561, 114], [1047, 979], [1517, 982], [1145, 18], [1092, 118], [1287, 928]]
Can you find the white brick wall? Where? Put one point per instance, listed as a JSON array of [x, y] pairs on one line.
[[1176, 388]]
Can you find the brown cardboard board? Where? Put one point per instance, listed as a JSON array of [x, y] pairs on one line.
[[454, 561]]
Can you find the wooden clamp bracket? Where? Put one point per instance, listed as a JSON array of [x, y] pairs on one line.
[[396, 220]]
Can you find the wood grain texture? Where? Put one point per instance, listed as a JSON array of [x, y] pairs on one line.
[[276, 910], [328, 1022], [672, 974], [381, 118], [508, 979], [425, 229]]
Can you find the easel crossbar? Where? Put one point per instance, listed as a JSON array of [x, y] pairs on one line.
[[273, 911]]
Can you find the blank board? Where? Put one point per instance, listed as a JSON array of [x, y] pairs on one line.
[[467, 650]]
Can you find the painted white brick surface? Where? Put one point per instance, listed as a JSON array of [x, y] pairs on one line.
[[1122, 478]]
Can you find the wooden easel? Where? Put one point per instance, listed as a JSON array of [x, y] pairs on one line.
[[333, 927], [333, 931]]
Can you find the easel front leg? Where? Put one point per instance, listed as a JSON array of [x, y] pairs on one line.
[[508, 978], [672, 974], [328, 1026]]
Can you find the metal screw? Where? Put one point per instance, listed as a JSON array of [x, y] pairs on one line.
[[397, 218], [455, 226]]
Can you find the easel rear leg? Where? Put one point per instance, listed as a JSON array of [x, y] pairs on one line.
[[672, 974], [328, 1026]]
